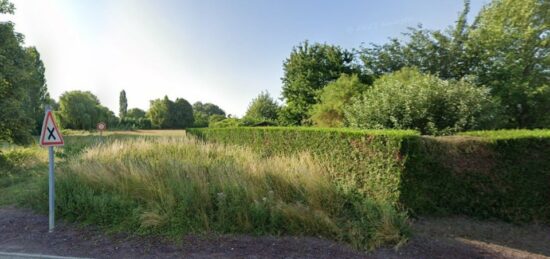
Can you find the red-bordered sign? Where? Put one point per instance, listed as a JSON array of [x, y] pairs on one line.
[[101, 126], [50, 135]]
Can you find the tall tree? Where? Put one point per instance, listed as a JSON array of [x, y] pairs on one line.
[[166, 114], [308, 69], [122, 104], [181, 114], [511, 42], [22, 85], [82, 110]]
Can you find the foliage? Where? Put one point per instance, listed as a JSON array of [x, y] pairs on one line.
[[166, 114], [165, 186], [262, 108], [505, 49], [225, 123], [511, 43], [508, 134], [136, 113], [493, 176], [329, 112], [408, 99], [309, 68], [82, 110], [23, 90], [203, 114], [208, 109], [504, 174], [342, 150], [122, 104], [6, 7]]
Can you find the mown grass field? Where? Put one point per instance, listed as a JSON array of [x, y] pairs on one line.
[[165, 183]]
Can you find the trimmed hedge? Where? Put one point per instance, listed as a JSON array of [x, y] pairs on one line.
[[503, 174], [374, 155]]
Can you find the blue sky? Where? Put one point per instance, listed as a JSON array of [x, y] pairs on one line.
[[225, 52]]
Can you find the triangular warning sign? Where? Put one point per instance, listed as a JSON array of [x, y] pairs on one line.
[[50, 132]]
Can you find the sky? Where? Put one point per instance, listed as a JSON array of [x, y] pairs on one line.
[[224, 52]]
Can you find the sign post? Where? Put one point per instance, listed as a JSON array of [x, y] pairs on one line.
[[101, 127], [51, 137]]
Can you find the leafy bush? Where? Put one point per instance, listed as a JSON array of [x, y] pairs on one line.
[[329, 112], [408, 99], [262, 108], [502, 174]]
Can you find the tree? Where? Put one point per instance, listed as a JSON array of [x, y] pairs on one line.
[[181, 114], [122, 104], [262, 108], [408, 99], [166, 114], [506, 48], [329, 112], [511, 42], [23, 90], [82, 110], [159, 113], [207, 108], [136, 113], [434, 52], [309, 68], [202, 112], [6, 7]]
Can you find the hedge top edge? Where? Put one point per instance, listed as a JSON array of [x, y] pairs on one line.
[[378, 132]]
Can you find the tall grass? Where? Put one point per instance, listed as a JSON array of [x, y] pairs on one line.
[[174, 186]]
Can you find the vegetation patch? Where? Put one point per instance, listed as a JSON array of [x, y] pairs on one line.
[[503, 174], [173, 186]]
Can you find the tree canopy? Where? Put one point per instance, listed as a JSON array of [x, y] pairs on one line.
[[166, 114], [262, 108], [82, 110], [23, 90], [309, 68]]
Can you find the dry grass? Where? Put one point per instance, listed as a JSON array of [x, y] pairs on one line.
[[177, 185]]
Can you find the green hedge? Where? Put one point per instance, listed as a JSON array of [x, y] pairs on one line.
[[503, 174]]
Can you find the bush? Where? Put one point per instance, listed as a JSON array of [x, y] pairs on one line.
[[408, 99], [329, 112], [503, 174]]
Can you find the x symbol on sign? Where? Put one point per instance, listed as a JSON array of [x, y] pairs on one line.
[[50, 131]]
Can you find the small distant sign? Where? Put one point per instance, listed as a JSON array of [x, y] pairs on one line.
[[50, 135], [101, 126]]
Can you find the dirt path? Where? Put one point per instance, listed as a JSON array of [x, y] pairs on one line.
[[25, 232]]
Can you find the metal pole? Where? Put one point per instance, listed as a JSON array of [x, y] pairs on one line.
[[52, 191], [51, 183]]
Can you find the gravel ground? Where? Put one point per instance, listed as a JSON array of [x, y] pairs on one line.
[[23, 231]]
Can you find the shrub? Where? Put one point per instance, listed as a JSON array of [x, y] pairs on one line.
[[329, 112], [262, 108], [408, 99]]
